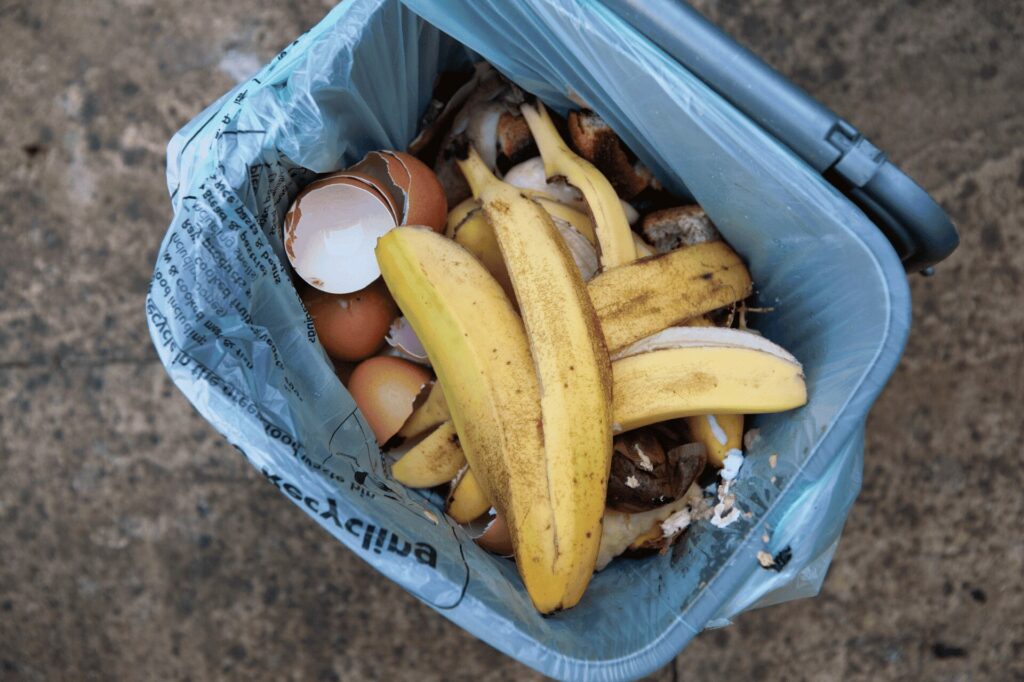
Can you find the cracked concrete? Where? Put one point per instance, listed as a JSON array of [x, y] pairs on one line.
[[135, 543]]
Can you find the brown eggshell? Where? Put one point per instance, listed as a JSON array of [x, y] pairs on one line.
[[367, 180], [385, 389], [495, 538], [373, 169], [426, 203], [352, 326]]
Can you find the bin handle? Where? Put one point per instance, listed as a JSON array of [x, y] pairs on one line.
[[917, 227]]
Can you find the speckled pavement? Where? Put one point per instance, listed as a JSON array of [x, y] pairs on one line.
[[136, 544]]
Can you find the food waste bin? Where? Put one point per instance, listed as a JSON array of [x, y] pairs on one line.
[[233, 335]]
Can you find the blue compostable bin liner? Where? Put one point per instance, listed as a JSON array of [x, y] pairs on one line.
[[233, 335]]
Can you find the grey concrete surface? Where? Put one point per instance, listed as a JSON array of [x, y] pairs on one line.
[[135, 544]]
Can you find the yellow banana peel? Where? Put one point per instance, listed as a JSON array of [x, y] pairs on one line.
[[556, 536], [434, 460]]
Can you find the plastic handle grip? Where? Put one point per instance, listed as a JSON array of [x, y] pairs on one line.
[[917, 227]]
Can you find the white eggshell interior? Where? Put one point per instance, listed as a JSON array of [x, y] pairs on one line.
[[335, 235]]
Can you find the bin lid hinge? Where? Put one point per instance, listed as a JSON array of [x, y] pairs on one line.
[[859, 160]]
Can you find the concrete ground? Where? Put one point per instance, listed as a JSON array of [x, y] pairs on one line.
[[135, 544]]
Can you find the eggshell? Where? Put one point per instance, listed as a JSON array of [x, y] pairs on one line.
[[375, 169], [331, 230], [402, 338], [425, 199], [414, 192], [382, 190], [385, 389], [496, 538], [352, 326]]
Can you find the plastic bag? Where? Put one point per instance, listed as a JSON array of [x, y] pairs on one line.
[[234, 337]]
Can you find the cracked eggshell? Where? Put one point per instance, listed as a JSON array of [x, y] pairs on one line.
[[332, 227], [330, 232], [352, 326], [402, 338], [413, 191], [425, 202], [495, 538], [385, 390]]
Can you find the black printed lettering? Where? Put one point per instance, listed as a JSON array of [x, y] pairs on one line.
[[273, 478], [426, 554], [379, 545], [393, 546], [332, 512], [352, 524], [294, 492]]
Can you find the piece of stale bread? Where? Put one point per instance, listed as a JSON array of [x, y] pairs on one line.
[[670, 228], [598, 144]]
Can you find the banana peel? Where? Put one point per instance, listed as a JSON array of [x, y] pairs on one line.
[[694, 371], [690, 371], [611, 225], [719, 433], [641, 298], [657, 375], [476, 236], [434, 460], [427, 415], [555, 558], [580, 221], [478, 348], [467, 501], [636, 300]]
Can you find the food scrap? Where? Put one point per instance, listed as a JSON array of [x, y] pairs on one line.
[[725, 512], [731, 464]]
